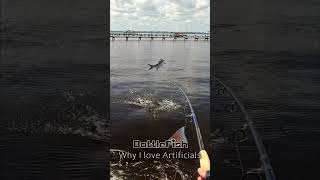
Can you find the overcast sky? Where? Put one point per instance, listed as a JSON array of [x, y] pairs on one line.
[[160, 15]]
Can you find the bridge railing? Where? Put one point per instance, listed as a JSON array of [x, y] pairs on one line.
[[159, 34]]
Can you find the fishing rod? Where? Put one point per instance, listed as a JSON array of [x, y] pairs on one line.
[[204, 158], [195, 121], [264, 158]]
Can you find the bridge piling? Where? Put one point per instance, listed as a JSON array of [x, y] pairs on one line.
[[152, 35]]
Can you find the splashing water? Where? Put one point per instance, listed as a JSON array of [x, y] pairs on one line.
[[158, 105], [169, 105], [150, 101], [64, 113], [164, 169]]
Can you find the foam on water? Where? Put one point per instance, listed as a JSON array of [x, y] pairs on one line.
[[149, 100], [158, 105], [65, 113], [164, 169]]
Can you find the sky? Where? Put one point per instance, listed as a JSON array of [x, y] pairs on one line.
[[160, 15]]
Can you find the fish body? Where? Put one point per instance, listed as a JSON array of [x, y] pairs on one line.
[[158, 65]]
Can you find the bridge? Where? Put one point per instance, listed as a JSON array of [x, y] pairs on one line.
[[158, 35]]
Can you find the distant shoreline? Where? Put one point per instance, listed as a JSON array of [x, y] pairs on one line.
[[131, 31]]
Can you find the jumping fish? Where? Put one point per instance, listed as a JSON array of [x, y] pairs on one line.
[[158, 65]]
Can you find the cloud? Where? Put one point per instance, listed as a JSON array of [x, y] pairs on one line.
[[160, 15]]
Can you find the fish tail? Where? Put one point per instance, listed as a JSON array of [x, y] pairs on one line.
[[151, 66]]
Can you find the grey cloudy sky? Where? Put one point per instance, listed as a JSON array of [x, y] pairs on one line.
[[160, 15]]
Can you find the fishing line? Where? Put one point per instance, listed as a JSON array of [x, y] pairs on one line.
[[185, 126], [239, 158], [194, 118]]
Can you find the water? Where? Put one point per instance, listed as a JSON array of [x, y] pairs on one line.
[[53, 94], [145, 104], [268, 53]]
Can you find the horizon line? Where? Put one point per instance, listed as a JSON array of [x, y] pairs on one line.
[[162, 31]]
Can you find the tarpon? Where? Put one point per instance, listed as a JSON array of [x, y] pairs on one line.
[[158, 65]]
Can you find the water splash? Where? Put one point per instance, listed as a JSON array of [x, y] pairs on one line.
[[63, 113], [150, 101], [167, 105], [164, 169]]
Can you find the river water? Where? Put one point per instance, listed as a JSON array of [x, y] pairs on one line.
[[268, 53], [146, 105]]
